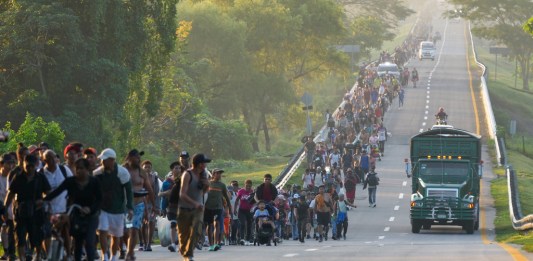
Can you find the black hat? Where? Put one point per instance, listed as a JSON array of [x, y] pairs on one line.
[[135, 153], [6, 157], [184, 154], [200, 158]]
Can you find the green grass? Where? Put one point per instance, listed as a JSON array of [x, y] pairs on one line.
[[510, 103], [504, 229]]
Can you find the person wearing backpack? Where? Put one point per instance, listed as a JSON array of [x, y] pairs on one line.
[[372, 182], [55, 174]]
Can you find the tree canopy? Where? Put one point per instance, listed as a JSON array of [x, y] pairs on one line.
[[501, 21]]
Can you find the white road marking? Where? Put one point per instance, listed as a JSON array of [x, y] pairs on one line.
[[311, 249], [428, 92], [425, 118], [428, 87], [423, 124], [386, 229], [427, 106], [404, 183], [421, 130], [427, 97], [391, 219], [427, 101], [401, 196], [396, 207], [290, 255], [381, 237]]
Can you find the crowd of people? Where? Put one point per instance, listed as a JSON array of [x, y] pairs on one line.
[[89, 199]]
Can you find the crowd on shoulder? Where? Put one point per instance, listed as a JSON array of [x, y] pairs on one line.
[[91, 200]]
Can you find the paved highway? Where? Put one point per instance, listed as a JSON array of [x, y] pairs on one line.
[[384, 232]]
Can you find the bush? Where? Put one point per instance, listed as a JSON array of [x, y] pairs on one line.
[[221, 139], [32, 131]]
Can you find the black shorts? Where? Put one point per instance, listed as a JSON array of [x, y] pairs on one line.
[[323, 218], [209, 215]]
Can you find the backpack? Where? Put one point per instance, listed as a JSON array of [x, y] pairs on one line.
[[372, 180], [174, 197]]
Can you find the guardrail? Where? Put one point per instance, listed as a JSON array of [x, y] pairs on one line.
[[299, 157], [519, 222]]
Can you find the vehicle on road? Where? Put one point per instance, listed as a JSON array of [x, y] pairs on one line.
[[445, 179], [427, 50], [388, 68]]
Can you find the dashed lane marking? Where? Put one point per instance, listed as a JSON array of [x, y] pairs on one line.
[[396, 207], [404, 183], [400, 196], [311, 249], [381, 237], [290, 255], [386, 229], [391, 219]]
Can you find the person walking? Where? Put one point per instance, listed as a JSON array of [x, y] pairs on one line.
[[342, 216], [301, 214], [117, 199], [322, 208], [414, 77], [84, 190], [243, 209], [7, 163], [372, 182], [194, 184], [214, 209], [28, 187], [401, 97]]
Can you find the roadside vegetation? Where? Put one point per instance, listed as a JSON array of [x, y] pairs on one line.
[[510, 103]]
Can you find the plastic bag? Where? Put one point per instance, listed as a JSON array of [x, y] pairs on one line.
[[163, 231]]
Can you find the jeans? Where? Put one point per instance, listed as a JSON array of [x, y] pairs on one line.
[[246, 220], [87, 239], [333, 227], [235, 224], [294, 226], [372, 195]]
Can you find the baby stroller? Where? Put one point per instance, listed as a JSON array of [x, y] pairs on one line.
[[264, 229]]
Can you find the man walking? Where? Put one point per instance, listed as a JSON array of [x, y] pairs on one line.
[[117, 193], [214, 209], [372, 182], [194, 184]]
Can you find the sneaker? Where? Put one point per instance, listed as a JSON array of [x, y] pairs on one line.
[[308, 237], [148, 249], [122, 254], [344, 237], [374, 205], [4, 257], [242, 242], [320, 240], [199, 246], [212, 248], [172, 248], [217, 247]]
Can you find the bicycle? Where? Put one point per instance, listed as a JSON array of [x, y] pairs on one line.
[[57, 249]]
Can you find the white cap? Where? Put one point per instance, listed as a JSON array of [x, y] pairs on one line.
[[107, 153], [295, 196]]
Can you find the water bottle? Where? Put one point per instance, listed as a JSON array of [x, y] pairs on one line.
[[129, 222]]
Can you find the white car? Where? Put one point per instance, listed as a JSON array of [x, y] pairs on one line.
[[426, 51], [388, 68]]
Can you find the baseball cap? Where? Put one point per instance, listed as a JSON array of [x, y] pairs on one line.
[[71, 147], [295, 196], [6, 157], [107, 153], [135, 153], [89, 151], [200, 158], [184, 154], [215, 170]]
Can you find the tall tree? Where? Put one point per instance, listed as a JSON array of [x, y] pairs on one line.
[[528, 26], [502, 22]]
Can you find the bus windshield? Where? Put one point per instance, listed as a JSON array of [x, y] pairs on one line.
[[443, 168]]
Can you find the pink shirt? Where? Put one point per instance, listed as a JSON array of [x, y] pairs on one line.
[[243, 195]]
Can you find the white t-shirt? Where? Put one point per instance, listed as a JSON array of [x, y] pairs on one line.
[[307, 179], [58, 204], [334, 158]]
